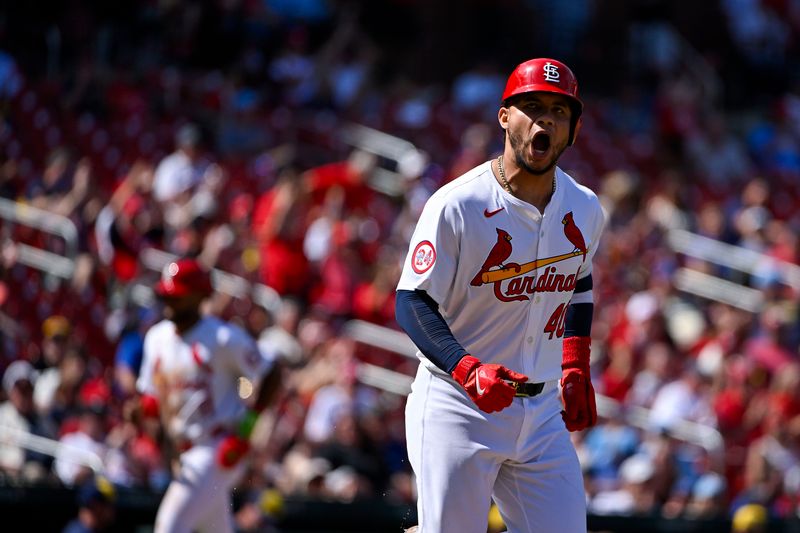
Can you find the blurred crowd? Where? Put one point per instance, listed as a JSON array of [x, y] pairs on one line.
[[214, 129]]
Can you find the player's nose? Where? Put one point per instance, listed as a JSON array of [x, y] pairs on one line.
[[546, 118]]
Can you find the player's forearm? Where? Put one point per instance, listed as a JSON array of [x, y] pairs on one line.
[[418, 314], [267, 390], [578, 320]]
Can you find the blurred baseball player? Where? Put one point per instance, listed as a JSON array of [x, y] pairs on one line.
[[496, 293], [190, 377]]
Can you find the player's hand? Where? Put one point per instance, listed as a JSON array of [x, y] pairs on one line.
[[577, 392], [231, 450], [486, 383]]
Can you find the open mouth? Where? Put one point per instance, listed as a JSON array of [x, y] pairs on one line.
[[541, 143]]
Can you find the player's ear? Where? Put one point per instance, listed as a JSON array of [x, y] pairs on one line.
[[502, 117]]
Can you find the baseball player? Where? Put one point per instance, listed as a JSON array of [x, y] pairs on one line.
[[190, 378], [496, 293]]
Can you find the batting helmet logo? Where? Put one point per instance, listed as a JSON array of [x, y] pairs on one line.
[[551, 72]]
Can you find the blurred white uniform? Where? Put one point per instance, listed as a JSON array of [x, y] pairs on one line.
[[195, 377]]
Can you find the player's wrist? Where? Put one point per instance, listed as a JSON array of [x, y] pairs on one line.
[[247, 423], [466, 365], [231, 450], [576, 352]]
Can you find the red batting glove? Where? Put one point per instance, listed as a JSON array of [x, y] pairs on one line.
[[485, 383], [231, 450], [580, 409]]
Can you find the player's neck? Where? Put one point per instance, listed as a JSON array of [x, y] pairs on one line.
[[185, 323], [535, 189]]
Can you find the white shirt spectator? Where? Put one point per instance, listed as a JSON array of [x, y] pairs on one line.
[[77, 449], [176, 174], [12, 457], [681, 400]]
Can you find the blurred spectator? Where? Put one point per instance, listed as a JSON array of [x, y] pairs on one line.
[[475, 91], [474, 148], [717, 155], [771, 456], [604, 449], [129, 222], [10, 78], [45, 192], [96, 507], [336, 398], [685, 398], [634, 496], [356, 464], [18, 417], [59, 399], [55, 332], [55, 337], [85, 446], [128, 358], [655, 371], [293, 69], [81, 446], [373, 298], [183, 169], [280, 333], [617, 378], [750, 518], [708, 497], [301, 473], [773, 142], [279, 225], [758, 30]]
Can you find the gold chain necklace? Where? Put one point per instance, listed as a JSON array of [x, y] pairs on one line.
[[503, 175]]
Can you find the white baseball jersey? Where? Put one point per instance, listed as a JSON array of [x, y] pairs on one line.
[[195, 376], [503, 273]]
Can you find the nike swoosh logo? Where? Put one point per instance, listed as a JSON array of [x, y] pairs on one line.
[[478, 387], [490, 214]]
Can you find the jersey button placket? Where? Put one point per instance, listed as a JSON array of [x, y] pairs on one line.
[[537, 315], [533, 315]]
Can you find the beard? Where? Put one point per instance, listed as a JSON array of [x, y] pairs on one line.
[[521, 147]]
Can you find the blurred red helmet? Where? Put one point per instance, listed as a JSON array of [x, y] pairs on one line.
[[550, 76], [183, 277]]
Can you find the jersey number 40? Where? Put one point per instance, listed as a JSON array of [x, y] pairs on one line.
[[555, 324]]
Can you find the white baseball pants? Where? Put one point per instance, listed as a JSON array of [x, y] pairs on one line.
[[199, 498], [522, 457]]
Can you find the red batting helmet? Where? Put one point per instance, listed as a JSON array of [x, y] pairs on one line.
[[183, 277], [550, 76]]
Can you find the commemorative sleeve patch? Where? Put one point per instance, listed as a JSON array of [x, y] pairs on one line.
[[423, 258]]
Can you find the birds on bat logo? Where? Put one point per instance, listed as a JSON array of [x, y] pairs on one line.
[[497, 256], [573, 234], [496, 268]]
